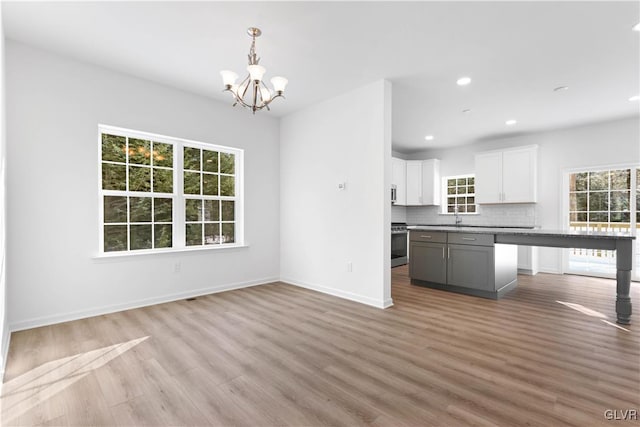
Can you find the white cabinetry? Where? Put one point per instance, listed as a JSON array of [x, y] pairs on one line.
[[399, 180], [423, 182], [507, 176]]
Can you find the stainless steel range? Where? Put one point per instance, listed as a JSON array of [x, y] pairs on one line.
[[398, 244]]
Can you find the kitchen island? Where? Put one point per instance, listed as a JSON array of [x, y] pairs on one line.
[[451, 237]]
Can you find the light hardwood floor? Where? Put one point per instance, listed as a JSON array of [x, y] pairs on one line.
[[281, 355]]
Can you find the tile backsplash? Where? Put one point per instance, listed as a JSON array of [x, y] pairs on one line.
[[508, 215], [398, 213]]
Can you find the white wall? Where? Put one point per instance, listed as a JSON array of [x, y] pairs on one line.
[[4, 327], [607, 143], [344, 139], [54, 106]]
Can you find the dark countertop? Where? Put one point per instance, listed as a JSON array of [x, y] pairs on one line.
[[522, 231]]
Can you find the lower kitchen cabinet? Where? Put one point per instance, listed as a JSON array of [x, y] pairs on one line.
[[434, 269], [471, 267], [462, 262]]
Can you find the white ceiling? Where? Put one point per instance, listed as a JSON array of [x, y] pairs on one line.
[[515, 52]]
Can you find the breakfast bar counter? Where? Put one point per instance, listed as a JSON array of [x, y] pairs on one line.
[[619, 242]]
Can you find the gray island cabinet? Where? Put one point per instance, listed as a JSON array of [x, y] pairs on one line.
[[482, 260], [462, 262]]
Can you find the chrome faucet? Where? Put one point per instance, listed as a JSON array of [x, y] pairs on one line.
[[457, 214]]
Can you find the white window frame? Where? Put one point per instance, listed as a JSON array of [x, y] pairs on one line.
[[635, 274], [444, 204], [178, 196]]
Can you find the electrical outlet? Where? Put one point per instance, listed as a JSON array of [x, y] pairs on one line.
[[177, 267], [349, 267]]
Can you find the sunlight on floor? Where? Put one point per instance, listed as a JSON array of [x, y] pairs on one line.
[[39, 384], [584, 310]]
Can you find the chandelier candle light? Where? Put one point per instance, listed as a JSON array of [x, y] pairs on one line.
[[259, 95]]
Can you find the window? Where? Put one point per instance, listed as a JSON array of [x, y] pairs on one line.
[[460, 192], [159, 193], [601, 200]]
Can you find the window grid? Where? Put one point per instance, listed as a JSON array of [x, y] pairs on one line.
[[142, 182], [460, 192]]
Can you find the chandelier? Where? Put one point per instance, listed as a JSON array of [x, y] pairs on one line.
[[252, 92]]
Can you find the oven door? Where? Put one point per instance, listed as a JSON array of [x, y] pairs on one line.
[[398, 248]]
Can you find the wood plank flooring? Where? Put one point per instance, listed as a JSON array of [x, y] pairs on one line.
[[281, 355]]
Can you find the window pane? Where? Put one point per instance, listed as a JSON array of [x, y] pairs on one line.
[[227, 163], [462, 208], [598, 217], [162, 154], [115, 209], [227, 185], [620, 217], [451, 200], [621, 179], [114, 177], [114, 148], [451, 182], [210, 159], [162, 210], [140, 237], [211, 234], [191, 183], [139, 151], [461, 181], [451, 190], [620, 200], [471, 200], [194, 234], [162, 180], [578, 181], [115, 238], [228, 233], [471, 208], [599, 180], [163, 236], [578, 217], [578, 201], [140, 209], [139, 178], [211, 210], [193, 210], [471, 180], [228, 210], [471, 189], [460, 200], [451, 209], [209, 184], [598, 201], [191, 158]]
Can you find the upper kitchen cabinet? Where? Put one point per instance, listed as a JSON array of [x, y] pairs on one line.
[[507, 176], [423, 182], [399, 180]]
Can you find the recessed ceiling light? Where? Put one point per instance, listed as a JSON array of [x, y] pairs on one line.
[[510, 122], [560, 88], [467, 111], [429, 137], [463, 81], [636, 27], [634, 98]]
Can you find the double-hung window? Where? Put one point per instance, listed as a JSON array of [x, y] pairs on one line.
[[460, 194], [160, 193]]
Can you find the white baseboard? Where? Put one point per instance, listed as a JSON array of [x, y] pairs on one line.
[[378, 303], [549, 270], [97, 311]]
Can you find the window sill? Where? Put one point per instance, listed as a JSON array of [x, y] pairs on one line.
[[112, 255], [461, 214]]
